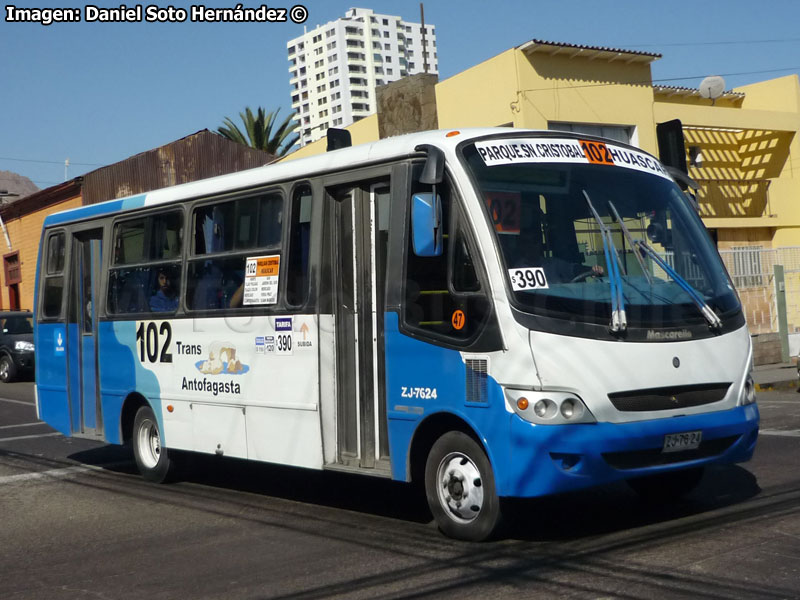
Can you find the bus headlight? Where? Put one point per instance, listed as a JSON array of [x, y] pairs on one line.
[[748, 391], [545, 408], [549, 408]]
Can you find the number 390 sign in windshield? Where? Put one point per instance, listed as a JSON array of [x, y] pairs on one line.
[[528, 278]]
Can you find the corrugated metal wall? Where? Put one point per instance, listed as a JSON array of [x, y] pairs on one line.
[[198, 156]]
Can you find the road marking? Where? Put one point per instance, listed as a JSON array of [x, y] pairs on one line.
[[780, 432], [52, 473], [17, 401], [62, 472], [23, 425], [28, 437]]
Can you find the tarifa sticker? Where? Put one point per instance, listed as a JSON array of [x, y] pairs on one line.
[[556, 150], [528, 278], [261, 280], [284, 336]]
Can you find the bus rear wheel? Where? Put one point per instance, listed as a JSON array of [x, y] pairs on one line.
[[152, 459], [460, 488]]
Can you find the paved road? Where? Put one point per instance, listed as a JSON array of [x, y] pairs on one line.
[[76, 522]]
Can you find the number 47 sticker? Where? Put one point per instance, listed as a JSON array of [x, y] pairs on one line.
[[528, 278]]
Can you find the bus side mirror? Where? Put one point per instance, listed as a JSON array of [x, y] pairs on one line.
[[426, 224]]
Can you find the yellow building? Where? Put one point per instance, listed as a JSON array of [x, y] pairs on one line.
[[22, 228], [742, 148]]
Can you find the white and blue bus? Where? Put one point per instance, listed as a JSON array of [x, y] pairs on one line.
[[492, 313]]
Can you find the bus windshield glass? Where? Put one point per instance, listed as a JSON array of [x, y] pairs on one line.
[[587, 228]]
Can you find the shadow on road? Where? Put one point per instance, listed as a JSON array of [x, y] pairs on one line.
[[574, 515], [584, 544], [616, 507]]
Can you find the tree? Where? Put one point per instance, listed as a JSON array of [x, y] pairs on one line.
[[261, 131]]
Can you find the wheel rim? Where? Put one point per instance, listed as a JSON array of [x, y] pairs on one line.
[[3, 369], [460, 487], [149, 444]]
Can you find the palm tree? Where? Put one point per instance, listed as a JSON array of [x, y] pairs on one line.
[[259, 131]]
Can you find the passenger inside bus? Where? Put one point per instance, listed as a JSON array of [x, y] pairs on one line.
[[165, 298]]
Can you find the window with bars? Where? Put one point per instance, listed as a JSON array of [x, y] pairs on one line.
[[614, 132], [747, 269]]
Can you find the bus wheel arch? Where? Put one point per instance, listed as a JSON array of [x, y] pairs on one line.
[[447, 455], [140, 428], [130, 406]]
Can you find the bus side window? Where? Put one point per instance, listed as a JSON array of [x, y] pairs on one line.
[[54, 276], [225, 235], [145, 274], [443, 293], [299, 241]]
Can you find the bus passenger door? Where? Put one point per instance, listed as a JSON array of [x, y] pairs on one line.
[[82, 356], [360, 239]]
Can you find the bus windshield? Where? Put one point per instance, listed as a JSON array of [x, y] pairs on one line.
[[581, 239]]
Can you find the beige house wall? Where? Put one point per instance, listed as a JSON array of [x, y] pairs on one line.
[[480, 96], [24, 233]]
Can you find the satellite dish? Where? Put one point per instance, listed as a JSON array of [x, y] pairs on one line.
[[712, 87]]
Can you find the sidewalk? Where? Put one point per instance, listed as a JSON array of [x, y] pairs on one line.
[[780, 376]]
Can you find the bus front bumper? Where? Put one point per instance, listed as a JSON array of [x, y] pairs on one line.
[[548, 459]]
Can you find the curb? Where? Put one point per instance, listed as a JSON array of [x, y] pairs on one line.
[[789, 385]]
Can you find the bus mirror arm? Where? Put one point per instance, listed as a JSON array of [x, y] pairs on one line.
[[433, 171]]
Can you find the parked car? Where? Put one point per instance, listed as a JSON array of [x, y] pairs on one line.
[[16, 345]]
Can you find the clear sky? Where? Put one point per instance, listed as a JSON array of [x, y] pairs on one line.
[[97, 93]]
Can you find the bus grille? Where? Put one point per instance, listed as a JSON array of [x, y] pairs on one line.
[[669, 398], [639, 459], [477, 380]]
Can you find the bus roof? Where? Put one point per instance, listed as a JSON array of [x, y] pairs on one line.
[[352, 157]]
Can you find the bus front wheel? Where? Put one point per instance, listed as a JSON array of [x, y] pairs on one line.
[[152, 459], [460, 488]]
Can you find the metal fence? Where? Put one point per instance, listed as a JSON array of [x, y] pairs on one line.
[[752, 269]]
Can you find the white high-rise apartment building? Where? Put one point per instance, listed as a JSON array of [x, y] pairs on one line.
[[335, 67]]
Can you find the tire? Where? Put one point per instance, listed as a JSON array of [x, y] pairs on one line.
[[8, 371], [152, 459], [460, 488], [666, 487]]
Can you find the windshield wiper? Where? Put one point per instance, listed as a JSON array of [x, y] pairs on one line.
[[627, 233], [713, 320], [618, 319]]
